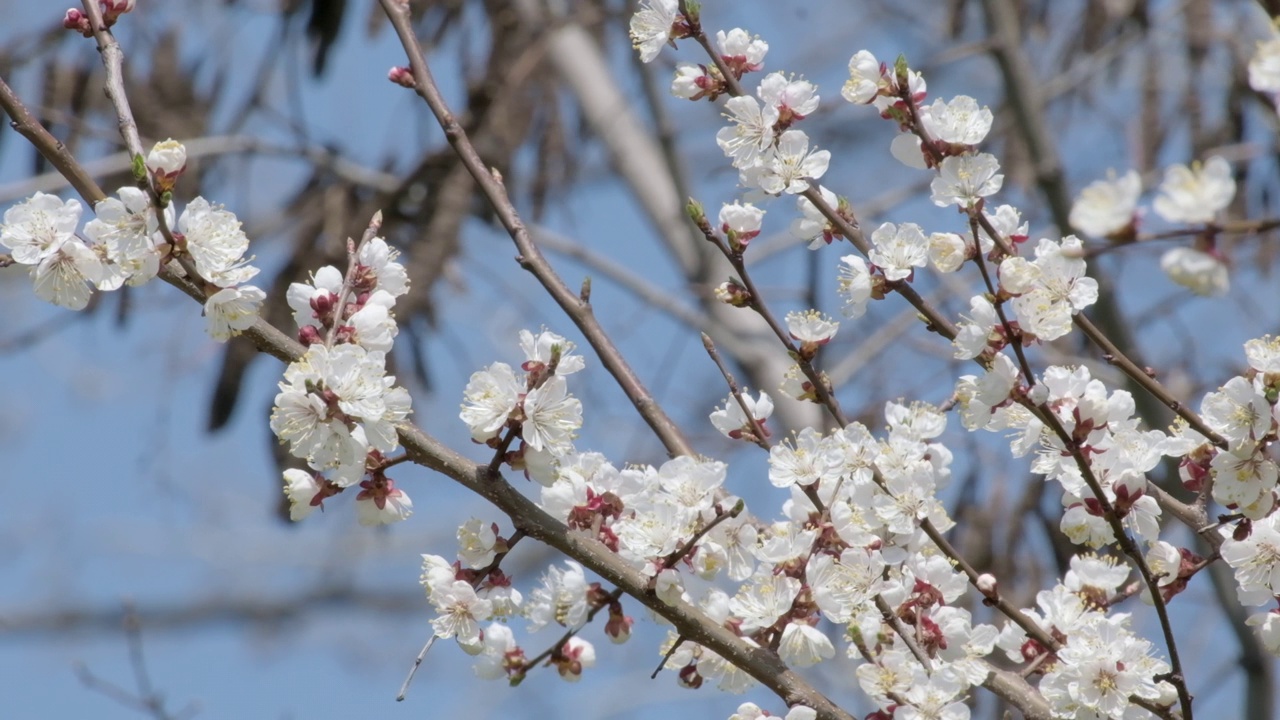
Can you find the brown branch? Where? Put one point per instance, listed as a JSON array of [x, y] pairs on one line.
[[48, 146], [113, 63], [530, 257], [761, 437], [145, 698]]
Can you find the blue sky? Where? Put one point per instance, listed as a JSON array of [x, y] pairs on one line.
[[113, 491]]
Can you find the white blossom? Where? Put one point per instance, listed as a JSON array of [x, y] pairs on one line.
[[231, 311], [383, 506], [864, 78], [166, 161], [537, 350], [961, 121], [499, 641], [127, 229], [790, 167], [1264, 353], [1200, 272], [551, 416], [1264, 66], [751, 133], [742, 49], [812, 225], [1101, 666], [690, 80], [854, 286], [216, 243], [811, 326], [763, 600], [965, 179], [733, 423], [64, 272], [1195, 194], [1267, 627], [302, 488], [476, 541], [651, 26], [37, 227], [577, 655], [560, 598], [804, 645], [381, 261], [792, 97], [803, 462], [490, 396], [374, 327], [460, 612], [1238, 411], [947, 251], [1060, 289], [1107, 206], [898, 249]]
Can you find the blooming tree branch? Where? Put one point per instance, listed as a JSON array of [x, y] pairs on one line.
[[862, 542]]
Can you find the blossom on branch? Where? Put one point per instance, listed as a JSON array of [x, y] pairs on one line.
[[966, 179], [1106, 208], [734, 424], [215, 242], [1195, 194], [1203, 273], [652, 26], [231, 311], [866, 78]]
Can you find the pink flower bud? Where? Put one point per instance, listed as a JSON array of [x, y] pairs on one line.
[[574, 656], [117, 7], [987, 585], [619, 627], [113, 9], [78, 21], [402, 76]]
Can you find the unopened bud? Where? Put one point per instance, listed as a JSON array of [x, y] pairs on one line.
[[619, 627], [402, 76], [166, 162], [694, 210], [113, 9], [988, 586], [733, 293], [117, 7], [75, 19]]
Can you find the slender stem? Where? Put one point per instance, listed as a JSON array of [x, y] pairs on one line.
[[481, 575], [759, 436], [49, 146], [348, 282], [530, 256]]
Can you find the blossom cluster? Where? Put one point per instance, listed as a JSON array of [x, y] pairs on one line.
[[337, 408], [1194, 195], [858, 541], [1083, 436], [771, 156], [850, 538], [534, 406], [1101, 665], [126, 243]]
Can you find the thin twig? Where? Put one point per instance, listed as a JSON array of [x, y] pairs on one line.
[[530, 257], [481, 575], [759, 436], [144, 698]]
